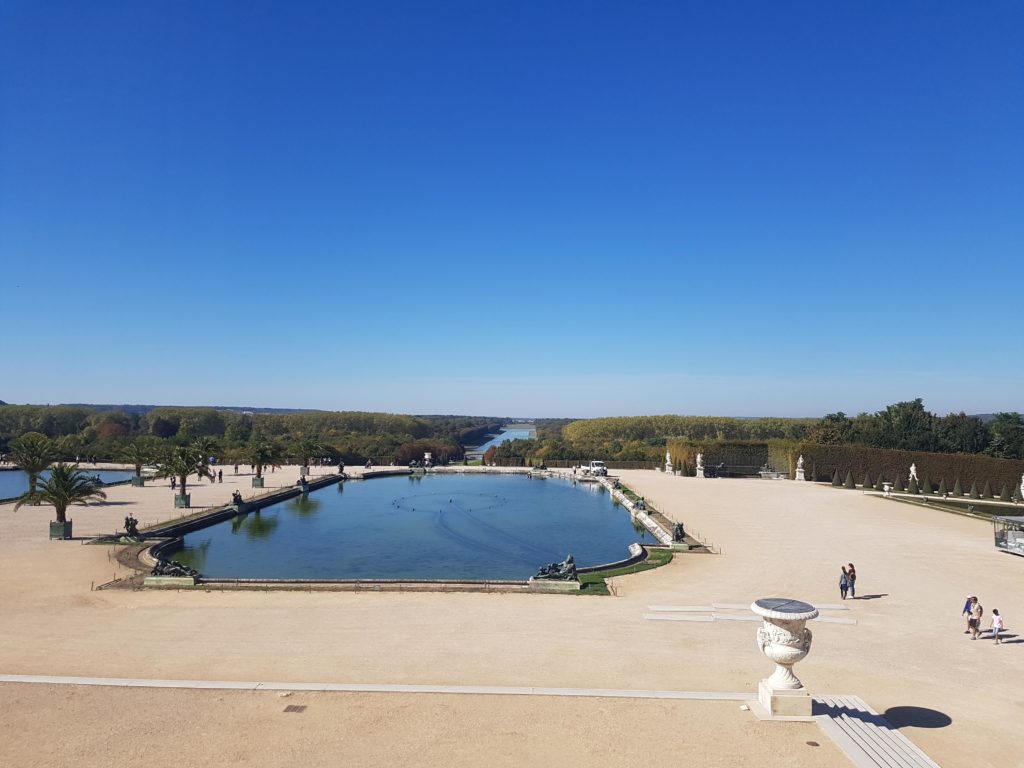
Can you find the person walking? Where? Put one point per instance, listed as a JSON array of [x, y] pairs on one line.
[[997, 626], [851, 578], [967, 613], [976, 613], [844, 581]]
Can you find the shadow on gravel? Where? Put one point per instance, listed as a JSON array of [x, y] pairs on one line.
[[916, 717]]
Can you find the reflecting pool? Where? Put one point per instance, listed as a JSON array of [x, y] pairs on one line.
[[419, 527], [15, 482]]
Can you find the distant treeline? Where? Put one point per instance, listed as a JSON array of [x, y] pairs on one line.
[[384, 437], [904, 426], [351, 436]]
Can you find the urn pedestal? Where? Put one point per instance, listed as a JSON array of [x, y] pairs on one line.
[[785, 640], [700, 472], [800, 474]]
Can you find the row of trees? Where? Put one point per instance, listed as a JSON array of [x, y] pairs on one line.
[[909, 426], [1008, 492], [902, 426], [76, 432]]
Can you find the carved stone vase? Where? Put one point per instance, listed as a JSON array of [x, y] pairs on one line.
[[785, 640]]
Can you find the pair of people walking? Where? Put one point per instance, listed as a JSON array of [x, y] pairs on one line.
[[973, 610], [848, 581]]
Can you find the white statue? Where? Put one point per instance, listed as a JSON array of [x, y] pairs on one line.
[[668, 462], [913, 472], [800, 462], [700, 461], [800, 468], [1022, 486]]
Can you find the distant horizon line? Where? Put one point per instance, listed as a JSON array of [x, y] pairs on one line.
[[146, 407]]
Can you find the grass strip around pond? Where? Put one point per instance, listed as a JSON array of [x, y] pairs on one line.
[[595, 584]]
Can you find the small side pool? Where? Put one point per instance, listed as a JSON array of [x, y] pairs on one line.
[[15, 482]]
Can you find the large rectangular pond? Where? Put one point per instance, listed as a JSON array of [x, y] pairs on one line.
[[433, 526], [14, 482]]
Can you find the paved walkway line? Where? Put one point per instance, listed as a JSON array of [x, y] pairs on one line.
[[866, 738], [486, 690]]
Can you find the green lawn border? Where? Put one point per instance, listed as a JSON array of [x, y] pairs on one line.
[[595, 584]]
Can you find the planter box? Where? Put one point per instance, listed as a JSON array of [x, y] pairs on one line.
[[169, 581], [552, 585], [257, 482], [138, 482], [60, 530], [182, 500]]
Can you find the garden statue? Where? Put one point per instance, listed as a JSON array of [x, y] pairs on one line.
[[172, 568], [700, 465], [668, 462], [131, 527], [913, 473], [800, 468], [678, 534], [1022, 486], [564, 571]]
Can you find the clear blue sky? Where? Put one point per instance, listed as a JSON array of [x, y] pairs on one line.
[[513, 208]]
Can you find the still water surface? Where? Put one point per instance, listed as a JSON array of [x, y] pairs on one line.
[[15, 482], [419, 527], [504, 436]]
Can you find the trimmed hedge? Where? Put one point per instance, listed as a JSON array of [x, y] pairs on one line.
[[823, 461], [732, 453]]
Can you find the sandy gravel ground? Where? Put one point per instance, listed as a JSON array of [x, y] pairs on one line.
[[907, 656]]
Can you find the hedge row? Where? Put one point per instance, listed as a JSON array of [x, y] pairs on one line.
[[732, 453], [822, 462]]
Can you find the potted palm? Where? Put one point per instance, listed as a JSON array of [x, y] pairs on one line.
[[137, 455], [180, 462], [32, 453], [65, 486], [260, 452], [307, 448]]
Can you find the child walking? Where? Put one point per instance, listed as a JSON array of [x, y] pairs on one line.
[[997, 626]]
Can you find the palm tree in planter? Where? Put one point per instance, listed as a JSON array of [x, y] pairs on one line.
[[306, 448], [207, 448], [180, 462], [65, 486], [137, 454], [32, 453], [260, 452]]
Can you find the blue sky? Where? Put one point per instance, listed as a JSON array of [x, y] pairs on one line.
[[513, 208]]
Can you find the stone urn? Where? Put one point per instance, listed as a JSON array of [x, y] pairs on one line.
[[785, 640]]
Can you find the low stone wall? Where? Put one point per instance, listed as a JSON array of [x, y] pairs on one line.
[[659, 533]]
